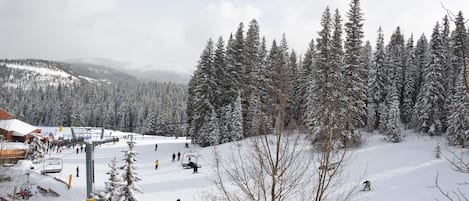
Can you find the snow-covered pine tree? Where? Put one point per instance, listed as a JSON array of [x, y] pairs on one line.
[[263, 88], [293, 105], [317, 96], [393, 128], [428, 108], [36, 149], [249, 97], [306, 82], [409, 92], [273, 69], [376, 83], [129, 188], [209, 133], [458, 120], [156, 125], [219, 75], [421, 60], [111, 187], [324, 100], [355, 88], [203, 90], [367, 56], [231, 126], [448, 74]]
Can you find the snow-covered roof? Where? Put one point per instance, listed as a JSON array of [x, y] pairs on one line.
[[18, 127]]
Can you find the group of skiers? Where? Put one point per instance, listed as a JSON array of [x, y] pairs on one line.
[[157, 163]]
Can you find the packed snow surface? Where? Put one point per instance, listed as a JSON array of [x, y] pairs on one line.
[[397, 171]]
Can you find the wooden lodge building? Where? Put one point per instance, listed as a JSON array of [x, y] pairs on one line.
[[13, 134]]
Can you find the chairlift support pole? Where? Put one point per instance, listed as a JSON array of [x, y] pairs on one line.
[[89, 169]]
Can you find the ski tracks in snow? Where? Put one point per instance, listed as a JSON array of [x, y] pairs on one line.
[[403, 170]]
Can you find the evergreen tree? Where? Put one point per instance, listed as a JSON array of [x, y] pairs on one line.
[[409, 92], [355, 88], [376, 83], [209, 132], [203, 90], [421, 60], [293, 101], [250, 99], [112, 185], [324, 99], [306, 82], [458, 121], [156, 125], [393, 129], [428, 108], [367, 56], [129, 176], [231, 128], [220, 75]]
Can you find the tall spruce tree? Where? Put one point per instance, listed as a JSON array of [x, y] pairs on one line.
[[220, 75], [355, 88], [409, 92], [306, 81], [421, 60], [458, 118], [204, 90], [324, 99], [250, 99], [429, 107], [376, 84]]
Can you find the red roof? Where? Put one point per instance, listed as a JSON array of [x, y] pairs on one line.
[[5, 115]]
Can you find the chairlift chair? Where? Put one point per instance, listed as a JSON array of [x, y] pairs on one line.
[[189, 158], [52, 165]]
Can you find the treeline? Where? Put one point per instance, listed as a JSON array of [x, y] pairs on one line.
[[146, 107], [339, 85]]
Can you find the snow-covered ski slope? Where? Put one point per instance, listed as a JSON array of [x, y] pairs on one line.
[[398, 172]]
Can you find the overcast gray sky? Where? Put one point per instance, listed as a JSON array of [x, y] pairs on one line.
[[170, 34]]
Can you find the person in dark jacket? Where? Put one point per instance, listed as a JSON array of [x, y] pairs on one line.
[[179, 155], [367, 185], [174, 156]]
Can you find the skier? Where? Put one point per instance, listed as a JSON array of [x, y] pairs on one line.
[[77, 150], [174, 156], [156, 164], [179, 155], [156, 147], [194, 165], [78, 170], [187, 145], [81, 148], [367, 185], [22, 193]]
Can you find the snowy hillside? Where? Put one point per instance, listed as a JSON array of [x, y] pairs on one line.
[[31, 72], [398, 171]]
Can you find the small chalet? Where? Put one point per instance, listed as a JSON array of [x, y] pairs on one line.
[[14, 132]]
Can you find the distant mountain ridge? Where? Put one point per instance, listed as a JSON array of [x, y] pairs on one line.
[[144, 73], [44, 73]]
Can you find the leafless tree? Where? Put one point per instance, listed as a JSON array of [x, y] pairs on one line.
[[458, 164], [273, 167]]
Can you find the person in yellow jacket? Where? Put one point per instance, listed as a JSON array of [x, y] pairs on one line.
[[156, 164]]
